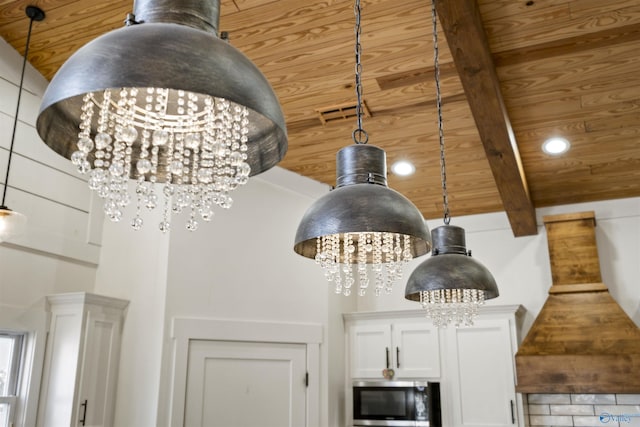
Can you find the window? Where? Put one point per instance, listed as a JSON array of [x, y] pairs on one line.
[[10, 356]]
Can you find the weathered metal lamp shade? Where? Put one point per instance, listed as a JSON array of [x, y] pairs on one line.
[[450, 284], [362, 222], [191, 97]]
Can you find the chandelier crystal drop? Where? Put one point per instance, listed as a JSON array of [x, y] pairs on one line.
[[457, 306], [341, 253], [186, 151]]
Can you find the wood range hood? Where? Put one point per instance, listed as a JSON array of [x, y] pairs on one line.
[[582, 341]]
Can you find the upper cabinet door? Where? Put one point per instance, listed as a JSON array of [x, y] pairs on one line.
[[416, 350], [410, 348], [370, 348]]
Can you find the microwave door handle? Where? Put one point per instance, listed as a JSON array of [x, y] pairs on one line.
[[398, 357]]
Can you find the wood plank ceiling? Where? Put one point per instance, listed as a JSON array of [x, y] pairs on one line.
[[545, 68]]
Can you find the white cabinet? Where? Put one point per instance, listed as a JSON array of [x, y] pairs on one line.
[[474, 365], [478, 384], [81, 360], [409, 346]]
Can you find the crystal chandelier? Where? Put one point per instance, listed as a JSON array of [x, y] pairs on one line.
[[189, 120], [196, 145], [450, 285], [13, 223], [362, 233]]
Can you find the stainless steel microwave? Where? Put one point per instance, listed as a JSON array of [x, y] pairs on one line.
[[396, 403]]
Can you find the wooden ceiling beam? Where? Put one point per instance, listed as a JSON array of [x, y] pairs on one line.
[[467, 40]]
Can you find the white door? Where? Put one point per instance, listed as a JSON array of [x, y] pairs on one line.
[[245, 384]]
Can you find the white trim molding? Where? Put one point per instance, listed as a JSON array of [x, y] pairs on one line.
[[184, 330]]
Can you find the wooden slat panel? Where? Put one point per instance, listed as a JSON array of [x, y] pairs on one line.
[[572, 248], [611, 96], [548, 24], [572, 45], [578, 287], [589, 8]]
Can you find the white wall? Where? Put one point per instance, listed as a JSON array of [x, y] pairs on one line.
[[133, 266], [56, 254], [242, 266], [42, 185], [521, 265]]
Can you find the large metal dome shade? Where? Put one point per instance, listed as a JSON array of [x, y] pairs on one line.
[[450, 267], [362, 203], [165, 55], [362, 208]]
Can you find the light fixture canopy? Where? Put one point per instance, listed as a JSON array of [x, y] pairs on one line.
[[362, 233], [205, 117], [14, 223], [450, 285]]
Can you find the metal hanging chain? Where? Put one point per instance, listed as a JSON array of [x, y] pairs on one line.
[[15, 120], [359, 135], [436, 66]]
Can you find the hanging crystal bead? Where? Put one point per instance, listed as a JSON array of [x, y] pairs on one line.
[[197, 142], [452, 306], [345, 257]]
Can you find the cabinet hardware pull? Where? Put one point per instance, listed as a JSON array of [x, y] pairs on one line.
[[398, 357], [387, 351], [84, 413], [513, 414]]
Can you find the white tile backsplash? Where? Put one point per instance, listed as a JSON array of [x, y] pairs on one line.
[[572, 410], [593, 399], [628, 399], [582, 421], [583, 410], [550, 420], [539, 409], [549, 398]]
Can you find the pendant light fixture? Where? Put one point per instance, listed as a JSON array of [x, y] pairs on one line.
[[164, 100], [450, 285], [362, 233], [13, 223]]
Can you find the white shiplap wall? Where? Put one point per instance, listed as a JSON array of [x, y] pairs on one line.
[[42, 185], [60, 250]]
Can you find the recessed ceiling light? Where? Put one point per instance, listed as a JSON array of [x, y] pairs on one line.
[[556, 146], [403, 168]]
